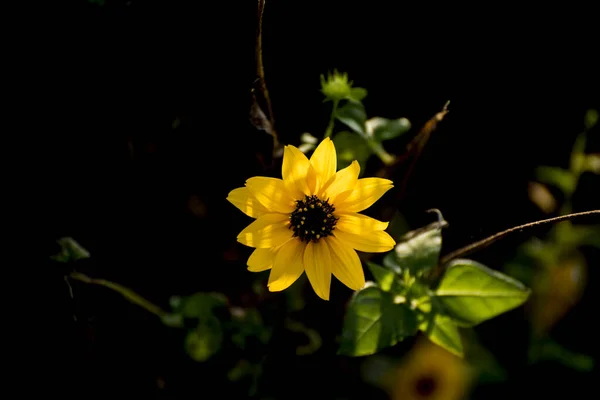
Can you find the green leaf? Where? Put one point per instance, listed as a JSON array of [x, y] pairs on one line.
[[349, 147], [353, 115], [558, 177], [373, 322], [70, 251], [390, 262], [548, 349], [382, 129], [472, 293], [358, 93], [201, 305], [383, 276], [204, 341], [443, 332], [419, 251]]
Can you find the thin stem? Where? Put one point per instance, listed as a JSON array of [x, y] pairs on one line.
[[70, 294], [489, 240], [260, 68], [329, 129], [125, 292]]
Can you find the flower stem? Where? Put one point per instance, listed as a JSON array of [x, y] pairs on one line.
[[125, 292], [329, 129], [489, 240]]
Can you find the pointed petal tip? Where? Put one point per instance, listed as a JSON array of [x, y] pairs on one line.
[[321, 296], [273, 288], [240, 240]]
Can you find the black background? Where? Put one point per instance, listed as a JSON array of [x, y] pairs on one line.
[[119, 179]]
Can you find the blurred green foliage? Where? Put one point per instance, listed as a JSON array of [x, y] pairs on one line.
[[555, 264]]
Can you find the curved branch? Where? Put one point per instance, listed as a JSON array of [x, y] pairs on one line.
[[489, 240], [125, 292]]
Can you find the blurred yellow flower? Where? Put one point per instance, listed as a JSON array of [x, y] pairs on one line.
[[428, 372], [309, 221]]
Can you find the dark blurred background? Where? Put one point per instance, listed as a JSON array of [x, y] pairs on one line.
[[146, 131]]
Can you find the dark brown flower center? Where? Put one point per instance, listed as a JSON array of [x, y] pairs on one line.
[[312, 219]]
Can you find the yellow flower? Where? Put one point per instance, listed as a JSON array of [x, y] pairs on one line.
[[309, 222], [430, 372]]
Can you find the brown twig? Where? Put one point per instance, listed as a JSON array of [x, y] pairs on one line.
[[491, 239], [417, 145], [260, 72]]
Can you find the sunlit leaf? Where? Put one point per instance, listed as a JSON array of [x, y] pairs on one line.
[[418, 252], [70, 251], [349, 147], [373, 322], [382, 129], [472, 293], [562, 179], [383, 276], [353, 115], [204, 341], [442, 331]]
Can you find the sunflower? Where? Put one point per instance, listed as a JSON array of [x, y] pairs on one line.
[[309, 221]]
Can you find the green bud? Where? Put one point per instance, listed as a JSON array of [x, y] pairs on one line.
[[336, 87]]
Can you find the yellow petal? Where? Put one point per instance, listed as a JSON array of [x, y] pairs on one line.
[[342, 182], [261, 259], [288, 265], [358, 223], [374, 242], [242, 199], [268, 230], [345, 264], [294, 172], [271, 193], [317, 264], [366, 192], [324, 160]]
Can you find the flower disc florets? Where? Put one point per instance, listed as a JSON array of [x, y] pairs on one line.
[[312, 219]]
